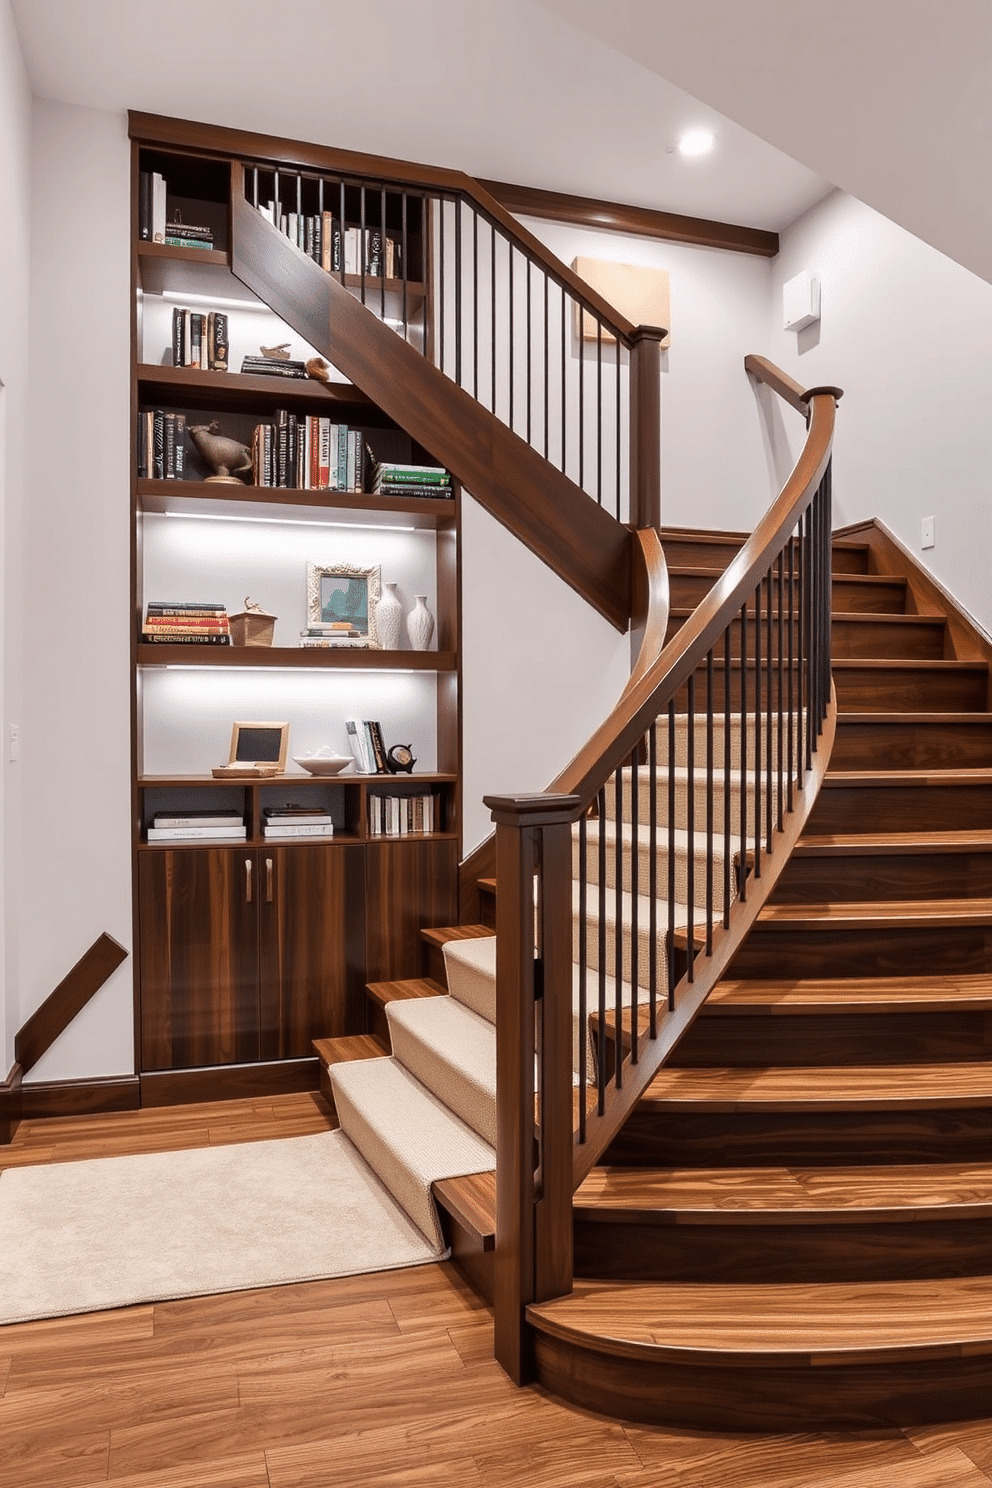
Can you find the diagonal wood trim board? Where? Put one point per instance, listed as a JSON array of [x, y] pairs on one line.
[[69, 998]]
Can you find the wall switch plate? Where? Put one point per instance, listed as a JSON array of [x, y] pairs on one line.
[[927, 539]]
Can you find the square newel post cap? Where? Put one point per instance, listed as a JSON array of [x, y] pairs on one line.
[[544, 810]]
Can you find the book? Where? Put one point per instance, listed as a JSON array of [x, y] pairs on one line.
[[175, 241], [145, 206], [356, 742], [377, 748], [291, 812], [217, 343], [198, 818], [184, 606], [184, 639], [158, 201], [297, 830], [191, 834]]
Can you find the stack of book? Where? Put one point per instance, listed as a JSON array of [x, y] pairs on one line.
[[410, 480], [180, 234], [199, 340], [308, 452], [192, 826], [152, 194], [186, 622], [263, 366], [162, 444], [368, 251], [396, 816], [284, 822], [334, 633]]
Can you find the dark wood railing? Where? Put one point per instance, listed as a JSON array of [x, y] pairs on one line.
[[625, 890]]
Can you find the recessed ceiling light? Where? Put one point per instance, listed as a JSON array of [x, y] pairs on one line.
[[696, 142]]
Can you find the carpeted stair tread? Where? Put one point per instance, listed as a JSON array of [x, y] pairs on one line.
[[470, 970], [845, 995], [407, 1137], [452, 1052], [798, 1323], [878, 914], [779, 1195], [903, 1087]]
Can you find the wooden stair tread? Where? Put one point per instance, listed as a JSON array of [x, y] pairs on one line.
[[403, 991], [878, 914], [893, 779], [904, 664], [802, 1323], [851, 995], [351, 1046], [441, 935], [472, 1201], [903, 1087], [855, 617], [886, 719], [850, 844], [779, 1195]]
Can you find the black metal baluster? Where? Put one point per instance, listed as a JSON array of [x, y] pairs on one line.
[[619, 443], [254, 186], [653, 876], [529, 339], [492, 406], [547, 407], [601, 948], [475, 305], [277, 209], [790, 753], [769, 714], [709, 805], [727, 782], [382, 254], [583, 973], [582, 401], [440, 272], [690, 823], [344, 231], [780, 742], [670, 944], [745, 843], [757, 730], [599, 411], [635, 884], [619, 920], [564, 333], [511, 316], [362, 251]]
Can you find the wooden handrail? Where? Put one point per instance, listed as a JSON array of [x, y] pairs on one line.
[[69, 998]]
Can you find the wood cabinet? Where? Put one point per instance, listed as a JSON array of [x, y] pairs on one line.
[[249, 950]]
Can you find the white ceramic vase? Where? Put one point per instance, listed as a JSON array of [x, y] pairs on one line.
[[389, 618], [420, 624]]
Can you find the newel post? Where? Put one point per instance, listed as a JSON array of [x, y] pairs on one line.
[[533, 1027], [645, 426]]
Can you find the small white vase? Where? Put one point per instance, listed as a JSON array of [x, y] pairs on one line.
[[420, 624], [389, 618]]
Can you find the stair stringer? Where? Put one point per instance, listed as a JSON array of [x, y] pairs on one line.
[[589, 549]]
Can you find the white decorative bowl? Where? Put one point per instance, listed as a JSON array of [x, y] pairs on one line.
[[323, 764]]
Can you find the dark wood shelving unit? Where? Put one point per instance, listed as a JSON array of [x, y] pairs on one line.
[[248, 949]]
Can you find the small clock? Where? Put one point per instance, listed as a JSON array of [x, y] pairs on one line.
[[400, 759]]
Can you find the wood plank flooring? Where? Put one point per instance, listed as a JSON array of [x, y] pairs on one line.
[[376, 1380]]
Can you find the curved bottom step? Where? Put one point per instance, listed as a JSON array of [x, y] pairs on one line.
[[771, 1358]]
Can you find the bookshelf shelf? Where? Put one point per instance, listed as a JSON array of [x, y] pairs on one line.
[[248, 949]]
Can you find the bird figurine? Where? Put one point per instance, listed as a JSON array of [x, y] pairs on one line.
[[227, 458], [276, 353]]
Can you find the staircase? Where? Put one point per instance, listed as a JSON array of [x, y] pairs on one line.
[[794, 1227]]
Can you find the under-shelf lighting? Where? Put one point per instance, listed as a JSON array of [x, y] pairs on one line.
[[255, 306], [393, 671], [288, 521]]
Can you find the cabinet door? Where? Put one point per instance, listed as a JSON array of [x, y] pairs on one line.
[[410, 886], [199, 957], [312, 944]]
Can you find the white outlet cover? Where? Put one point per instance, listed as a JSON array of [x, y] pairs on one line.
[[800, 301]]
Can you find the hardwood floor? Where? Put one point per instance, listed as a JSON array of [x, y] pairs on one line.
[[370, 1380]]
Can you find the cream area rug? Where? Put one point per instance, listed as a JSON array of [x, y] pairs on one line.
[[113, 1231]]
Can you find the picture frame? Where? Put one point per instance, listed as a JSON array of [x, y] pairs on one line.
[[259, 744], [341, 592]]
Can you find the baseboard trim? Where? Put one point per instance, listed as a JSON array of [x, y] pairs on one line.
[[10, 1105], [50, 1098], [229, 1082]]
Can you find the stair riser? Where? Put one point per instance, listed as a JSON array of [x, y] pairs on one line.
[[754, 1252], [875, 597], [704, 880], [841, 878], [700, 818], [648, 953], [880, 690], [911, 808], [899, 951], [766, 1398], [917, 640], [894, 745], [446, 1081], [740, 1042], [656, 1136], [694, 552], [701, 735]]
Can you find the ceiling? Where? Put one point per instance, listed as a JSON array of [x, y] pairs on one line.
[[499, 88], [889, 99]]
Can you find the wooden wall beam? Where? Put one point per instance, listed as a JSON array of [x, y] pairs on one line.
[[643, 222]]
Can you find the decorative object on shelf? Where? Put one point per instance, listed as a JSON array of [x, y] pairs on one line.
[[319, 370], [389, 617], [253, 627], [400, 759], [420, 624], [278, 353], [226, 457], [324, 762], [342, 593], [244, 772], [259, 744]]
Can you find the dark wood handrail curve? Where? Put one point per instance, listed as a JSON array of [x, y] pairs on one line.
[[713, 754], [71, 995]]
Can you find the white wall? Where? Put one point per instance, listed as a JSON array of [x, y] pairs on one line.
[[74, 862], [15, 174], [907, 333]]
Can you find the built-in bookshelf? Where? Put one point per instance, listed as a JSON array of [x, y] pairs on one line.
[[248, 947]]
